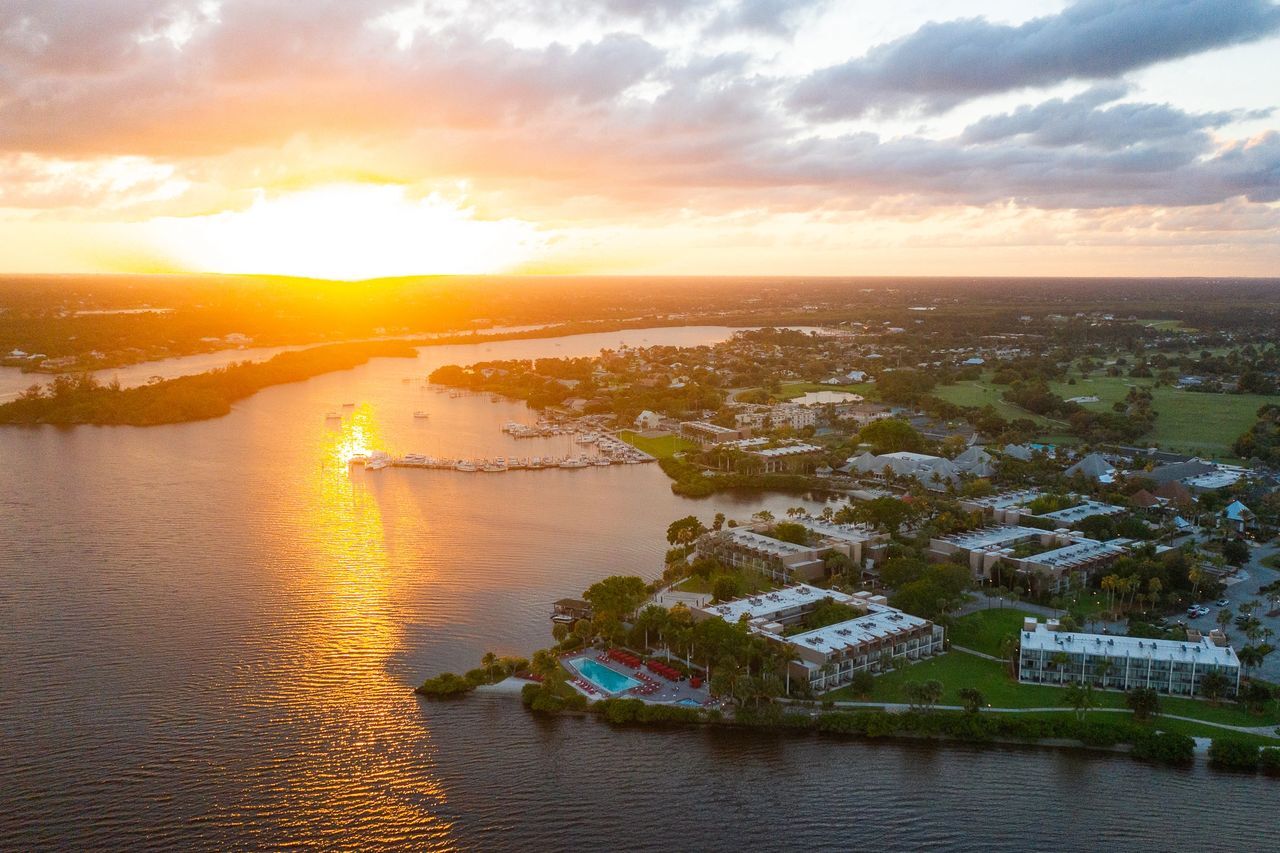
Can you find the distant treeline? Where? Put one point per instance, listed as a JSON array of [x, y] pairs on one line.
[[84, 400]]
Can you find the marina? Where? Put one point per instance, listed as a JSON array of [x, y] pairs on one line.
[[607, 450]]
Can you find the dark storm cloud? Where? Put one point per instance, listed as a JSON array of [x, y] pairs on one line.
[[944, 64]]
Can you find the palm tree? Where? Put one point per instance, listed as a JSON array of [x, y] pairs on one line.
[[490, 663], [1104, 670], [1224, 618], [1060, 661], [972, 699]]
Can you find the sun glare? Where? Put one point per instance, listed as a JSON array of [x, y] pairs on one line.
[[349, 231]]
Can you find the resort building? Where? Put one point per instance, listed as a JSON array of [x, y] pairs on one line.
[[709, 434], [793, 415], [1049, 561], [1048, 655], [786, 562], [1015, 507], [856, 541], [787, 458], [827, 657], [743, 548]]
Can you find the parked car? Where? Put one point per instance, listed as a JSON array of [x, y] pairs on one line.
[[1224, 602]]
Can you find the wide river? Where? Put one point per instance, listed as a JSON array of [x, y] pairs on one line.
[[209, 635]]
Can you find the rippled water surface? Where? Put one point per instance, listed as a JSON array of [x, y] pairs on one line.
[[209, 634]]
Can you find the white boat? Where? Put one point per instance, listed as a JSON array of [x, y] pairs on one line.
[[421, 415], [575, 462], [603, 462], [495, 466], [464, 465]]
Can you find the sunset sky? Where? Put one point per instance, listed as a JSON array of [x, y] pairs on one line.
[[360, 138]]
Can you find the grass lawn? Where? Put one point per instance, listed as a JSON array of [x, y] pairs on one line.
[[1180, 726], [957, 670], [662, 448], [982, 631], [791, 390], [1187, 421], [981, 392], [752, 583]]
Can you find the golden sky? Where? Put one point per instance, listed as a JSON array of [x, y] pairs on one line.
[[362, 138]]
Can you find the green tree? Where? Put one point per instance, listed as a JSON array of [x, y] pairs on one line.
[[546, 665], [972, 699], [1080, 698], [616, 596], [1214, 685], [861, 684], [1144, 702], [1235, 551], [490, 663], [891, 435], [1255, 696], [683, 531]]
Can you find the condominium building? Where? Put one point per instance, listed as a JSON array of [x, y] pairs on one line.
[[708, 434], [1049, 561], [827, 657], [1048, 655], [786, 562]]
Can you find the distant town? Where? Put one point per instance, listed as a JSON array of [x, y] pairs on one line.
[[1061, 524]]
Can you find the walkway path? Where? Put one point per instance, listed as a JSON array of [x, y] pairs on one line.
[[898, 708], [982, 601], [977, 654]]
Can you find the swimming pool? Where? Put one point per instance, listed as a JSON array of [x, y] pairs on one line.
[[603, 677], [691, 703]]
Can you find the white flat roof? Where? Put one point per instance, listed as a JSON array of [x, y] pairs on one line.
[[1083, 510], [1008, 499], [993, 537], [879, 623], [768, 604], [787, 450], [906, 454], [840, 532], [1204, 651], [759, 541], [1080, 551]]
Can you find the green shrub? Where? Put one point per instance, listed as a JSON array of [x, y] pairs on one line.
[[1232, 754], [1164, 747], [446, 685]]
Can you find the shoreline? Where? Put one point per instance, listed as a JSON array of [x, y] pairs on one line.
[[511, 688]]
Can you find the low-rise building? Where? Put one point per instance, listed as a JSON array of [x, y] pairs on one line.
[[793, 458], [709, 434], [1048, 655], [1050, 561], [742, 547], [1015, 507], [827, 657]]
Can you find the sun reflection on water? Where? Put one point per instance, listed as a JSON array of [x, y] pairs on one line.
[[371, 747]]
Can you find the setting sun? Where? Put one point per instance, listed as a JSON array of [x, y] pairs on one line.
[[347, 231]]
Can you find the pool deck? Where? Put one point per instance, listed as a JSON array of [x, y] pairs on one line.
[[670, 692]]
